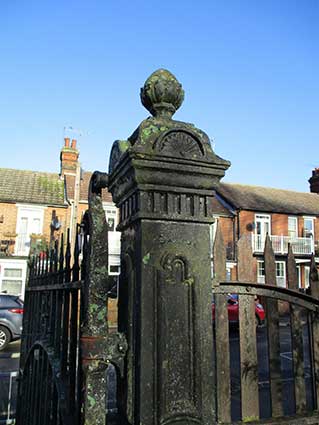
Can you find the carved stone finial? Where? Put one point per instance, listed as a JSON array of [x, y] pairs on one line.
[[162, 94]]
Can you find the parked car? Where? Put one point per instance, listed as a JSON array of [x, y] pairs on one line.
[[233, 310], [11, 314]]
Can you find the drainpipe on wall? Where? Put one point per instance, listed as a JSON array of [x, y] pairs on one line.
[[238, 236], [238, 225], [75, 205], [234, 238]]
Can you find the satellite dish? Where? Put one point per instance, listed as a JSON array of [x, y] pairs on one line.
[[251, 226], [56, 224]]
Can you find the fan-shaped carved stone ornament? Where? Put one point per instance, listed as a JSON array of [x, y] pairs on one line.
[[180, 143]]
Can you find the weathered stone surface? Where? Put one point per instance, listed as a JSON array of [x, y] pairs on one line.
[[162, 94], [98, 347], [162, 179]]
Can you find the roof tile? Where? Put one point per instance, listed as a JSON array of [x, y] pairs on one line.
[[267, 199], [31, 187]]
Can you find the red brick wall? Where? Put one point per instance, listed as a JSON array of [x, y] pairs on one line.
[[245, 218], [226, 226], [62, 215], [9, 213], [317, 228], [8, 226], [279, 224]]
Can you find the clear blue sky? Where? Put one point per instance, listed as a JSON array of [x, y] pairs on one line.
[[250, 71]]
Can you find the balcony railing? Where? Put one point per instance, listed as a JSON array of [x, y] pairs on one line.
[[301, 246]]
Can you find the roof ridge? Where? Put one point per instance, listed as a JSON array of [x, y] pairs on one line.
[[28, 171], [267, 187]]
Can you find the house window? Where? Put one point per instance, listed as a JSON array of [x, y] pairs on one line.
[[114, 239], [262, 224], [260, 272], [292, 227], [262, 227], [12, 281], [228, 274], [114, 270], [281, 273], [111, 214], [307, 276], [299, 276], [212, 234], [308, 227], [29, 221], [114, 265]]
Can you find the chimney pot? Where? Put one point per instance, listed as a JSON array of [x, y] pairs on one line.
[[314, 181], [66, 142], [73, 144]]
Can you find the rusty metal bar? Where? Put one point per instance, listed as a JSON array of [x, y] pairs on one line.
[[222, 359], [248, 359], [297, 323]]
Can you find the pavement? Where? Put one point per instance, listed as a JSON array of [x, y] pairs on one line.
[[9, 366]]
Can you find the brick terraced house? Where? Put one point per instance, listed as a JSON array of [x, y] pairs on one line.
[[288, 217], [35, 207]]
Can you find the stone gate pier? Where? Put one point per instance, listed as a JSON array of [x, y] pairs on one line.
[[162, 179]]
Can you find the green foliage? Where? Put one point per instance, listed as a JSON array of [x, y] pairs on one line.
[[146, 258], [250, 419], [38, 244]]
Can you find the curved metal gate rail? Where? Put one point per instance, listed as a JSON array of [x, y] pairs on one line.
[[298, 315], [49, 381], [285, 351]]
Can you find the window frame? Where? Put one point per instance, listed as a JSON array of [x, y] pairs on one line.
[[307, 276], [31, 212], [312, 220], [111, 212], [283, 276], [261, 268], [263, 219], [295, 219], [261, 272]]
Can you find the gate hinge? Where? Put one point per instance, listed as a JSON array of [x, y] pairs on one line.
[[107, 349]]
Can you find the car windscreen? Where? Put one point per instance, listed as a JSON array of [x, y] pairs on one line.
[[10, 301]]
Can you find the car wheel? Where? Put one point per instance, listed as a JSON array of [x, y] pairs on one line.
[[5, 337]]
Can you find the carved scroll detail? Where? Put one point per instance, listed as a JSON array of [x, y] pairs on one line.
[[175, 332]]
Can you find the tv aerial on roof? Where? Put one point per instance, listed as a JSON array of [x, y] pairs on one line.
[[74, 131]]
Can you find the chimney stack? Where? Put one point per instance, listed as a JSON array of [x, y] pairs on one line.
[[69, 157], [314, 181]]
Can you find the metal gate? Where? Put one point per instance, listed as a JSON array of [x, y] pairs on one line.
[[65, 340]]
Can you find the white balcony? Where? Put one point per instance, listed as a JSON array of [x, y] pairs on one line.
[[301, 246]]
